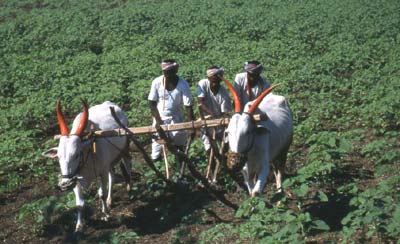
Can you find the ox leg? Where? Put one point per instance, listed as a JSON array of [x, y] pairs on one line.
[[247, 181], [279, 169], [79, 204], [262, 179], [278, 178], [126, 171], [103, 198], [110, 183]]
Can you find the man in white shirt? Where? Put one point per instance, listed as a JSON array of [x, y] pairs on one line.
[[214, 101], [168, 95], [250, 84]]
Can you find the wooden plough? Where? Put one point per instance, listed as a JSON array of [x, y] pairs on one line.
[[161, 130]]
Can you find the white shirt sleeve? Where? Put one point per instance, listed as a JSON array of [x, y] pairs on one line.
[[153, 95], [226, 104], [237, 84], [186, 95], [200, 89]]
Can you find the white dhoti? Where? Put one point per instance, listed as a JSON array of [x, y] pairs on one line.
[[219, 134], [179, 138]]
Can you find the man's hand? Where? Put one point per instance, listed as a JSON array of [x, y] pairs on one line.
[[159, 123], [189, 111], [155, 113]]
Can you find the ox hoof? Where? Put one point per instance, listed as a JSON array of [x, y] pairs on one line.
[[109, 203], [105, 217], [79, 228], [255, 194], [288, 194]]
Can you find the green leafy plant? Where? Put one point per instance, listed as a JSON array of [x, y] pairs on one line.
[[376, 214], [338, 61], [123, 237], [267, 224], [40, 211]]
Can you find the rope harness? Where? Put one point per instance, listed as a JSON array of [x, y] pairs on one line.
[[72, 178], [236, 161]]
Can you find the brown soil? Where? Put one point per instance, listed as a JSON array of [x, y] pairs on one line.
[[162, 218], [159, 219]]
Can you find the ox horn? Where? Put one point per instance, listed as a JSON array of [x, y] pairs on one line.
[[61, 120], [83, 121], [234, 94], [258, 100]]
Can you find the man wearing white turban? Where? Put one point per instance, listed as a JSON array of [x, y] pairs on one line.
[[250, 84], [214, 101], [168, 95]]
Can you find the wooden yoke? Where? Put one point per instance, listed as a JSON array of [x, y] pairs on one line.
[[171, 127]]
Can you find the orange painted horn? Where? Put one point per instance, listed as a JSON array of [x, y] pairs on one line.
[[83, 121], [234, 94], [258, 100], [61, 120]]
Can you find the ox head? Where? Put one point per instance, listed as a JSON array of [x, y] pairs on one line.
[[70, 148], [242, 127]]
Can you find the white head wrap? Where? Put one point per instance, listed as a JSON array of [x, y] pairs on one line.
[[169, 65], [215, 71], [253, 68]]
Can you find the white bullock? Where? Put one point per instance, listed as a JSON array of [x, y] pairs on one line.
[[83, 158], [262, 143]]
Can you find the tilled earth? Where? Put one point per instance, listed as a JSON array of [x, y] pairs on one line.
[[155, 218], [165, 217]]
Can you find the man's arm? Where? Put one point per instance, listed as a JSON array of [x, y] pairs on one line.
[[153, 98], [203, 107], [155, 112], [189, 111], [187, 100], [226, 105], [237, 83]]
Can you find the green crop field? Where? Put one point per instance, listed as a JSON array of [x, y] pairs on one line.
[[339, 62]]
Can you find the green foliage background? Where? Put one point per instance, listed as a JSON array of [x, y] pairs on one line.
[[339, 61]]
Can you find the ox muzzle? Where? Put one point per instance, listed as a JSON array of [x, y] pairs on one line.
[[66, 182], [235, 161]]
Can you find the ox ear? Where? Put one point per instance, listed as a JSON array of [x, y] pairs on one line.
[[51, 153]]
